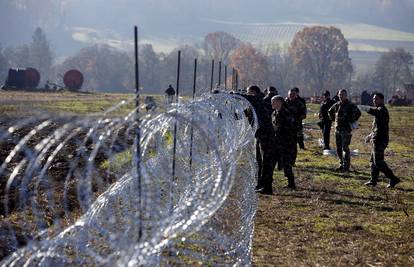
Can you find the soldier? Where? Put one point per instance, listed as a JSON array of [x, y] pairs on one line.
[[379, 138], [298, 111], [169, 94], [344, 113], [325, 121], [264, 140], [336, 97], [300, 129], [284, 128], [267, 100]]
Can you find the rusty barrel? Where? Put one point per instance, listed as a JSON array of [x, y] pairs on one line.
[[73, 80], [31, 78]]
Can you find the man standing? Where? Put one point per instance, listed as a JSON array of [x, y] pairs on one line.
[[345, 114], [271, 92], [325, 121], [284, 129], [264, 145], [379, 138], [300, 125], [298, 110]]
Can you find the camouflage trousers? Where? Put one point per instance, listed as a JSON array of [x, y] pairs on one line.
[[343, 140], [378, 163]]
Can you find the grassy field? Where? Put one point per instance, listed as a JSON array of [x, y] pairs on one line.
[[331, 220]]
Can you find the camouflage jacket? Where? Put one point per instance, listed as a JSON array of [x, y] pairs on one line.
[[284, 127], [323, 111], [297, 108], [344, 114], [380, 128]]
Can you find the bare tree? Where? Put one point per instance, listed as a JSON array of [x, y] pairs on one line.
[[392, 70], [219, 45]]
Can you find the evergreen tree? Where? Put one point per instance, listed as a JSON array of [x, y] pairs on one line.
[[41, 56]]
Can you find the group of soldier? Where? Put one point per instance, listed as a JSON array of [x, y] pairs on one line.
[[280, 131]]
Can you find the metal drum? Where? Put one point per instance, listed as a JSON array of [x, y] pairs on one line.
[[31, 78], [73, 80]]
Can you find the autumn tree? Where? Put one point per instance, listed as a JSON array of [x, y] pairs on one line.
[[219, 45], [392, 70], [251, 64], [320, 54]]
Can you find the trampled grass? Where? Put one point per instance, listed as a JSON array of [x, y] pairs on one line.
[[333, 219]]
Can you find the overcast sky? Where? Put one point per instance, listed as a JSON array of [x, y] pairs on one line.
[[65, 20]]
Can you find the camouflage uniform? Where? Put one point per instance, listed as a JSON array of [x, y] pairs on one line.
[[298, 110], [284, 128], [344, 114], [264, 143], [379, 140]]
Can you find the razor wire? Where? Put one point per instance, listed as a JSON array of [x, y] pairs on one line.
[[69, 187]]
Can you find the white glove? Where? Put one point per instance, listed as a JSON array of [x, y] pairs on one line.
[[364, 107]]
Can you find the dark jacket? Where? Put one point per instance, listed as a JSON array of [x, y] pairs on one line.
[[380, 128], [323, 111], [298, 110], [284, 127], [263, 116], [268, 102], [344, 114]]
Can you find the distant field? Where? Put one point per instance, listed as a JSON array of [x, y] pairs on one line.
[[28, 103], [331, 220]]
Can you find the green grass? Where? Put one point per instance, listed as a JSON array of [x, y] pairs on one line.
[[333, 219]]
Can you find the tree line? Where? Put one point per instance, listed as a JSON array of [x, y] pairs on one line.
[[316, 60]]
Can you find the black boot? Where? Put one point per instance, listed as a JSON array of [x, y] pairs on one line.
[[291, 183], [393, 182]]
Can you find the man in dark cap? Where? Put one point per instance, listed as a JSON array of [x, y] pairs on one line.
[[264, 139], [325, 121], [169, 94], [379, 138]]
